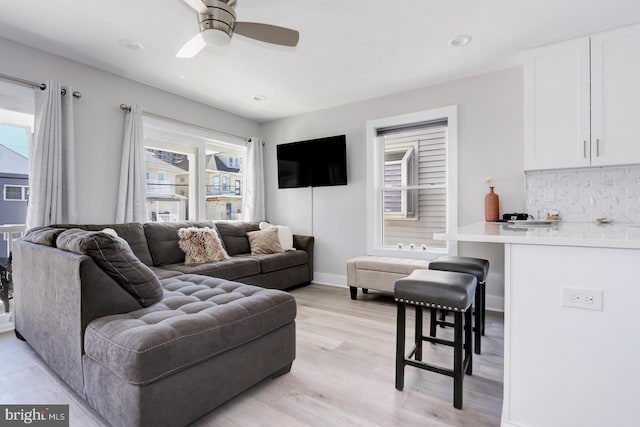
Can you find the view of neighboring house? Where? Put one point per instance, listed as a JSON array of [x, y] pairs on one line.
[[14, 182], [223, 186], [164, 202]]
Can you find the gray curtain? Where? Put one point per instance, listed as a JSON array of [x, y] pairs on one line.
[[132, 193], [253, 182], [52, 183]]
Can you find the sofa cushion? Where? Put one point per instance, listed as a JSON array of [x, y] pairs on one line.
[[133, 233], [201, 245], [162, 238], [43, 235], [199, 318], [230, 269], [264, 242], [114, 256], [275, 262], [234, 236]]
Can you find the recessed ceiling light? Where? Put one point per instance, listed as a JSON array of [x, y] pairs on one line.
[[461, 40], [130, 44], [258, 97]]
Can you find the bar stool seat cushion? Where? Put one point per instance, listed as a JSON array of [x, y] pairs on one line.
[[476, 266], [437, 289]]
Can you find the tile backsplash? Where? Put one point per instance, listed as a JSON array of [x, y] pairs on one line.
[[586, 194]]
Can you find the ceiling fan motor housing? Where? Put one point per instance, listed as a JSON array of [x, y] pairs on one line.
[[220, 15]]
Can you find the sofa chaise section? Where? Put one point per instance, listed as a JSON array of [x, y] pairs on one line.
[[167, 364], [153, 354]]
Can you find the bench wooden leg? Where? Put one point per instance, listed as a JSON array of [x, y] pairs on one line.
[[354, 292]]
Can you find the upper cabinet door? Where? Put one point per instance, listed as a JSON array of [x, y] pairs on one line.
[[615, 97], [557, 131]]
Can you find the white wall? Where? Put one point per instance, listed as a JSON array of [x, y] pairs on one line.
[[490, 142], [99, 120]]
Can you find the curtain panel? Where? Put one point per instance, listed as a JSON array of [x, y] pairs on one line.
[[132, 192], [52, 181], [253, 182]]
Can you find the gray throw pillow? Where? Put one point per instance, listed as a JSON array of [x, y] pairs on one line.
[[264, 242], [43, 235], [114, 256]]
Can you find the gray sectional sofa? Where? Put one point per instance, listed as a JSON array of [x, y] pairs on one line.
[[213, 334]]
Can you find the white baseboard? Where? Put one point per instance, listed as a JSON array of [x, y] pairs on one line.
[[330, 279], [494, 303], [5, 324], [6, 327]]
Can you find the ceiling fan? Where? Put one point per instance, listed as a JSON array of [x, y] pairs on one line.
[[218, 23]]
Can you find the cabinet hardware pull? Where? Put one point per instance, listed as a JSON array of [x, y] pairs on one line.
[[597, 147], [584, 148]]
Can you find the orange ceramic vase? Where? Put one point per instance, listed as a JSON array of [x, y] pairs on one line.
[[491, 206]]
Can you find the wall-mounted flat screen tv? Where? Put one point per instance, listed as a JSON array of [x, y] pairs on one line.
[[314, 163]]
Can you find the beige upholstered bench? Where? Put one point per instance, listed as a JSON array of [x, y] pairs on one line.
[[379, 273]]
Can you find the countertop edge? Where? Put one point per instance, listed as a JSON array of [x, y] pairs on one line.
[[463, 235]]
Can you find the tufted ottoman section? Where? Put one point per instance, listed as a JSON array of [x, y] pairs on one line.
[[198, 318]]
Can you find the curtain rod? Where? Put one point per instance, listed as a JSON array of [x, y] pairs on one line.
[[126, 107], [42, 86]]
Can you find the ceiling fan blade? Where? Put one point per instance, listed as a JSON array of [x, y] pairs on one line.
[[268, 33], [192, 47], [196, 5]]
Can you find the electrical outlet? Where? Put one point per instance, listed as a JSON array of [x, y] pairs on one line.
[[590, 299]]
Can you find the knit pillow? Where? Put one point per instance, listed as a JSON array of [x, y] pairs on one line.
[[264, 242], [201, 245], [114, 256]]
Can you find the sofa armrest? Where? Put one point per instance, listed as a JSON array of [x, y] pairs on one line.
[[57, 293], [305, 243]]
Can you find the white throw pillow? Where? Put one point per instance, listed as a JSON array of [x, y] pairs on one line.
[[285, 235], [111, 232]]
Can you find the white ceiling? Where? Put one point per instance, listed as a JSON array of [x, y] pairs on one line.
[[349, 50]]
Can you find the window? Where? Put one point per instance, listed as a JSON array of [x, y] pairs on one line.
[[412, 183], [18, 193], [16, 133], [190, 163], [168, 194], [400, 171]]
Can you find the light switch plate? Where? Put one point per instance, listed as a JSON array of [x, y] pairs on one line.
[[589, 299]]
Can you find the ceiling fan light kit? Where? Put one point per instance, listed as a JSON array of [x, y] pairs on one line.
[[216, 25], [217, 21]]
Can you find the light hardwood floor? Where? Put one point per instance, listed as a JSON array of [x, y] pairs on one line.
[[343, 374]]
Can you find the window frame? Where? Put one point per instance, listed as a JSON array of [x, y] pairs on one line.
[[24, 191], [375, 180], [193, 141], [407, 179]]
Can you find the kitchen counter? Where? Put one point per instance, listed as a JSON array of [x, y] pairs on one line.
[[570, 310], [580, 234]]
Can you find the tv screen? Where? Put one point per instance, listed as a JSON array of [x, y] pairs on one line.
[[314, 163]]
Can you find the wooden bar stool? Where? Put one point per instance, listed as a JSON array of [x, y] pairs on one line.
[[477, 267], [436, 290]]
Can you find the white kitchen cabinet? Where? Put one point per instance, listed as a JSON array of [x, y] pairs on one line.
[[615, 97], [582, 102]]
